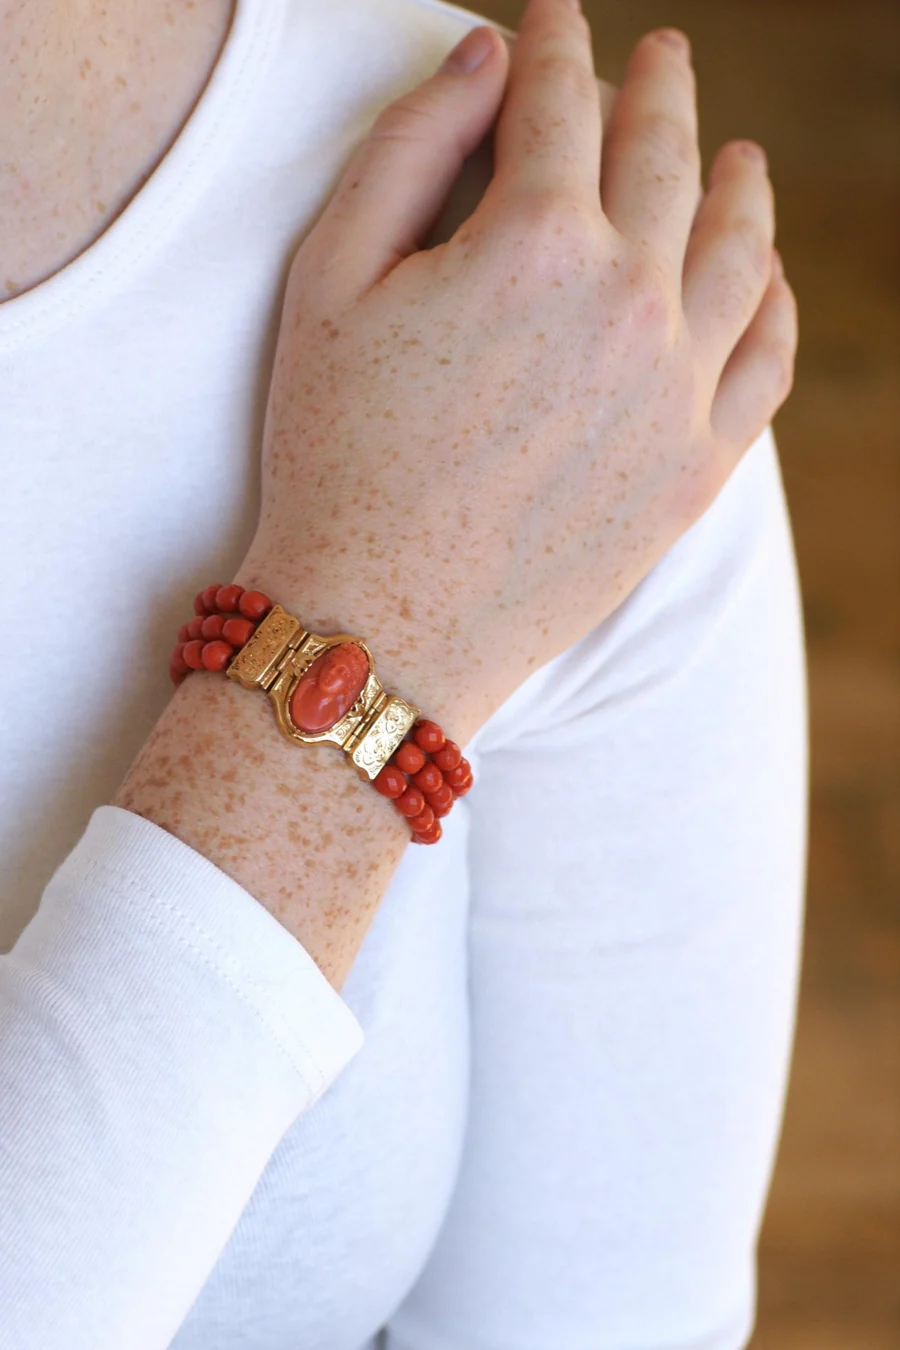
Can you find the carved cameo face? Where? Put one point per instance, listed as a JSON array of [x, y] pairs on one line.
[[329, 688]]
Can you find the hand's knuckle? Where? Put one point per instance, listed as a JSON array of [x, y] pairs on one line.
[[406, 119], [781, 367], [567, 74], [550, 220], [789, 301], [673, 136], [574, 18], [753, 243], [652, 298]]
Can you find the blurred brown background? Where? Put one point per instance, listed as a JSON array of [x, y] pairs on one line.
[[815, 82]]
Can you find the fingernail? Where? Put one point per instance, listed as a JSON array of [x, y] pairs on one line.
[[673, 37], [470, 53]]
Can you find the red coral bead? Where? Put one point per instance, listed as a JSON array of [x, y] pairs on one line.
[[442, 798], [458, 775], [448, 756], [463, 788], [177, 659], [211, 627], [428, 736], [199, 607], [208, 597], [175, 675], [238, 631], [411, 802], [195, 628], [408, 757], [183, 633], [430, 836], [193, 654], [424, 820], [429, 779], [390, 782], [254, 605], [441, 811], [227, 598], [216, 655]]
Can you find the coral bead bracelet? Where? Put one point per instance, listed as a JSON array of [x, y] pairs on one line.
[[325, 689]]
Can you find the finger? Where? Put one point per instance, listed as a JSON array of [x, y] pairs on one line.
[[548, 136], [650, 176], [397, 180], [759, 373], [728, 259]]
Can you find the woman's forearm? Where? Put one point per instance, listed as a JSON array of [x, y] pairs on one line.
[[293, 824]]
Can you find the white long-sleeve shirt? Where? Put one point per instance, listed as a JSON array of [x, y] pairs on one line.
[[541, 1113]]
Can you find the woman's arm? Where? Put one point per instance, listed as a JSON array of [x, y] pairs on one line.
[[405, 395], [472, 453], [159, 1034], [294, 825], [633, 952]]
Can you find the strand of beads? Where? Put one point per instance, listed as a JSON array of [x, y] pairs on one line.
[[225, 618], [423, 777]]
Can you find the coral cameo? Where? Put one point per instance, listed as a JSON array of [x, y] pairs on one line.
[[329, 688]]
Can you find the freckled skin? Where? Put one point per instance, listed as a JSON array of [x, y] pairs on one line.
[[596, 454], [470, 457], [91, 102], [560, 377], [351, 845]]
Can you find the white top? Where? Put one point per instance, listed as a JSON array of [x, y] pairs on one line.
[[171, 1170]]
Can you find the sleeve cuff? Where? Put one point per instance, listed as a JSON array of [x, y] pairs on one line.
[[236, 936]]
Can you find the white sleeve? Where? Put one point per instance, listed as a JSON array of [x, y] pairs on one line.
[[159, 1033], [637, 857]]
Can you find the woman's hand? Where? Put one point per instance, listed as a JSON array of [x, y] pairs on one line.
[[474, 452]]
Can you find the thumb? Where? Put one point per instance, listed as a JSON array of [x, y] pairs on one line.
[[399, 177]]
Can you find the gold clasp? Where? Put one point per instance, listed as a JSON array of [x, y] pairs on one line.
[[275, 659]]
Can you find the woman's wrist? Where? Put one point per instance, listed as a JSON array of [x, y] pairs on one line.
[[295, 825], [425, 658]]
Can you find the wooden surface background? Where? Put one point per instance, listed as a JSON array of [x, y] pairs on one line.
[[815, 82]]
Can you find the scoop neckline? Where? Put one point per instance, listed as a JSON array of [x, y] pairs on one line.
[[178, 179]]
